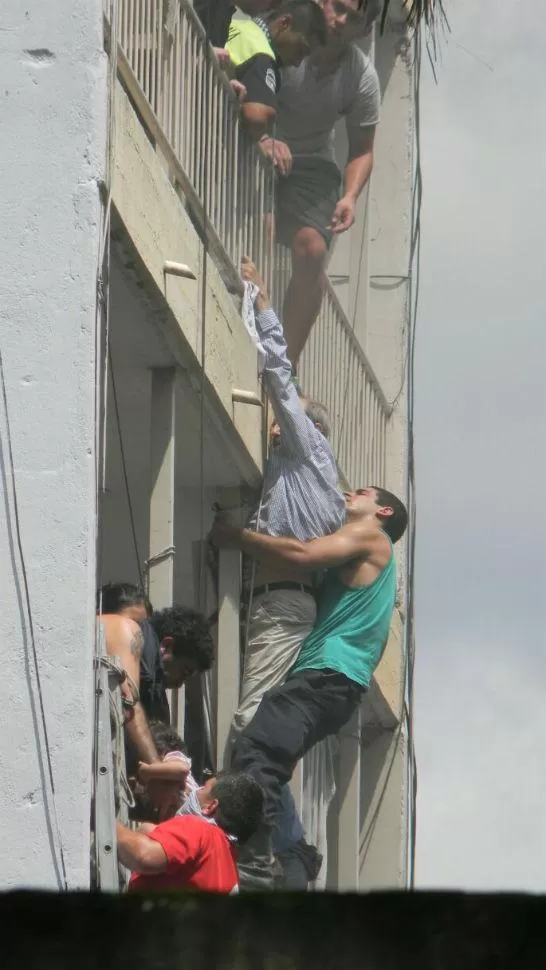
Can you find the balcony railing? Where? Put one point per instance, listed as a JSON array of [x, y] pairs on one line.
[[191, 112], [190, 109], [335, 371]]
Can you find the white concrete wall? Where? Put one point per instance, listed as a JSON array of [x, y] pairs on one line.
[[383, 812], [52, 144]]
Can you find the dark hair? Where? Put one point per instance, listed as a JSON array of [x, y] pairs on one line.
[[190, 632], [240, 804], [166, 738], [118, 596], [307, 18], [395, 524]]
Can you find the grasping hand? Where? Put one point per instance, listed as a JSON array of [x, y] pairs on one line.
[[344, 215], [250, 273], [278, 152], [222, 56], [239, 89], [166, 797]]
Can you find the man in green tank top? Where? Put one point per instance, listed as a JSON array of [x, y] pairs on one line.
[[338, 658]]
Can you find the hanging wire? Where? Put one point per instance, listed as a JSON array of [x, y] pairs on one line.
[[411, 501], [406, 701], [206, 695], [124, 469], [50, 804], [102, 343]]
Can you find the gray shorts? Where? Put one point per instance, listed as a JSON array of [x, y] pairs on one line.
[[306, 197]]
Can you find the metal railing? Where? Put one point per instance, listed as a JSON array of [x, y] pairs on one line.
[[335, 371], [187, 103], [191, 111]]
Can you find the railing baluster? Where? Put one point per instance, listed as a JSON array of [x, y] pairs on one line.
[[188, 94]]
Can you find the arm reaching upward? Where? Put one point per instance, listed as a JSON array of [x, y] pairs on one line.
[[298, 434]]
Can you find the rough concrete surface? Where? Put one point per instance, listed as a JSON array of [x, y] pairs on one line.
[[52, 138]]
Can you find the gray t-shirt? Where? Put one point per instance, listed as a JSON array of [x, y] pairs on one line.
[[309, 106]]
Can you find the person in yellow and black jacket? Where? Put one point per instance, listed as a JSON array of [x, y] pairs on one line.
[[258, 48]]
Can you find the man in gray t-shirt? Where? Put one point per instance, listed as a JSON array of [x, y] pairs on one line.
[[313, 200]]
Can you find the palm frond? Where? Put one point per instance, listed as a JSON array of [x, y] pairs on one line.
[[431, 13]]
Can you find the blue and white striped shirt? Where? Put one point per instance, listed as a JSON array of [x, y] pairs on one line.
[[301, 497]]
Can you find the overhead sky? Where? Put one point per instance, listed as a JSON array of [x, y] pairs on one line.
[[480, 695]]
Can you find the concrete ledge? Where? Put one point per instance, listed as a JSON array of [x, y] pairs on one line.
[[382, 707]]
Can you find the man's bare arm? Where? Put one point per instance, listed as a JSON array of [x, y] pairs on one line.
[[257, 118], [124, 639], [357, 172], [350, 542], [139, 853], [360, 161], [138, 732]]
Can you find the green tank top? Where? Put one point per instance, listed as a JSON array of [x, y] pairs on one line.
[[352, 626]]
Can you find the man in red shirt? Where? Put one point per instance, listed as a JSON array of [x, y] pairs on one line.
[[197, 848]]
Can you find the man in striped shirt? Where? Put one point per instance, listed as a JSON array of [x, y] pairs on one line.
[[300, 499]]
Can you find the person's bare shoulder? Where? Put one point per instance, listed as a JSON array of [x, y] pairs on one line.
[[122, 634], [375, 544]]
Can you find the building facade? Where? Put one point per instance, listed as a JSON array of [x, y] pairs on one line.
[[134, 402]]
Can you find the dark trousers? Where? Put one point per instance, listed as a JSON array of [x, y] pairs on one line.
[[290, 720]]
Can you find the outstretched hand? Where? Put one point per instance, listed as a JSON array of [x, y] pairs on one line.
[[250, 274]]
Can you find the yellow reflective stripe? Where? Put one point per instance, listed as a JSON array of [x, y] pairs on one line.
[[245, 41]]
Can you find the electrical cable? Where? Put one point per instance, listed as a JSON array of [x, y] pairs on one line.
[[52, 819], [406, 706], [411, 484], [124, 468], [206, 699]]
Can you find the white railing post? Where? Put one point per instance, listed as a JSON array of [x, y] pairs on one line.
[[162, 497], [185, 100], [346, 809], [228, 658]]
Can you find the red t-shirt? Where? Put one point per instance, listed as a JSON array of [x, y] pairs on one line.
[[199, 856]]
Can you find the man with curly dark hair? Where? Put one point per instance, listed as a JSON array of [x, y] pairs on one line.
[[176, 643], [185, 644]]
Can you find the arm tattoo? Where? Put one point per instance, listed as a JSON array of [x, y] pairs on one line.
[[136, 645]]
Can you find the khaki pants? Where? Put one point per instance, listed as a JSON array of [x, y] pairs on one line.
[[278, 624]]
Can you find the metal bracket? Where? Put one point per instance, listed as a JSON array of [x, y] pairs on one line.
[[178, 269], [167, 553], [246, 397]]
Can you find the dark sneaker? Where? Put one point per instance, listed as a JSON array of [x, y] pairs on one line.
[[310, 857], [301, 865]]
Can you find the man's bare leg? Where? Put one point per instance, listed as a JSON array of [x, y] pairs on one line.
[[304, 294]]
